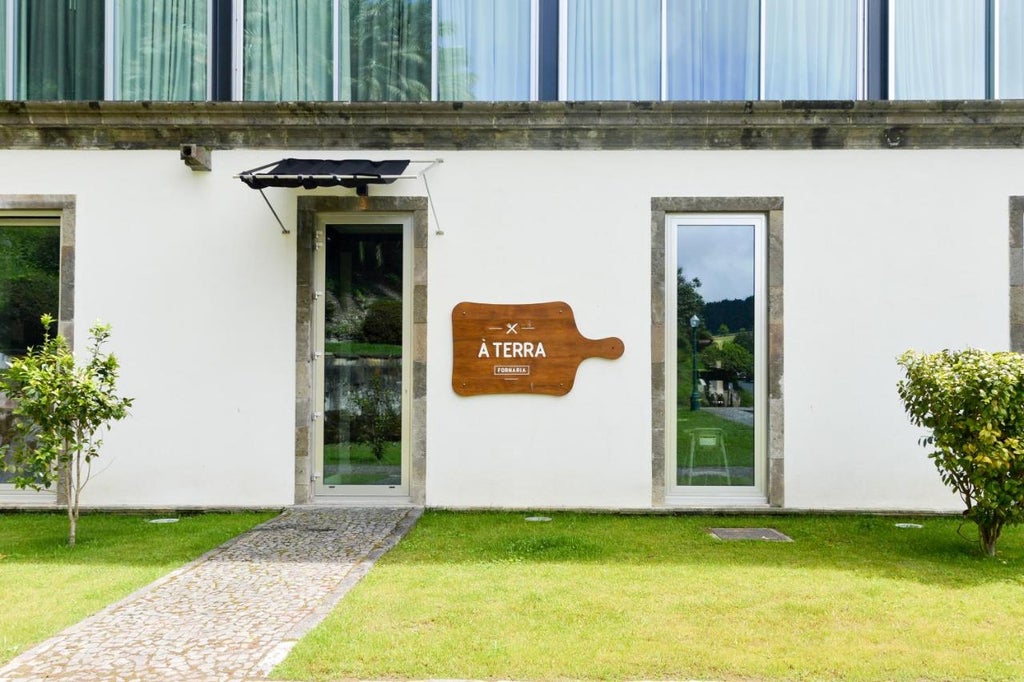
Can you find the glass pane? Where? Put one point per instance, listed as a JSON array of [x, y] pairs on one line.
[[29, 287], [363, 356], [811, 49], [484, 50], [3, 51], [161, 49], [1011, 49], [287, 50], [385, 50], [715, 427], [60, 49], [713, 48], [939, 49], [614, 50]]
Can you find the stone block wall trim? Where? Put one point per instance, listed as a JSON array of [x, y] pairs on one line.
[[1016, 255], [65, 203], [772, 208], [305, 446], [995, 124]]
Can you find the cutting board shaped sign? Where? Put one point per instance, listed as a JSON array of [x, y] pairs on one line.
[[521, 348]]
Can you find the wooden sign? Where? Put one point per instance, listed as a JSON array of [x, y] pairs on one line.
[[521, 348]]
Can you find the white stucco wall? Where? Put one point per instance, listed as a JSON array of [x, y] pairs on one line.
[[884, 250]]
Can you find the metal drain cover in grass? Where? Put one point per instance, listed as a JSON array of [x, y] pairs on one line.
[[768, 534]]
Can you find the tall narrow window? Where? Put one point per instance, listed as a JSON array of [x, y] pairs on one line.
[[3, 50], [161, 50], [712, 49], [385, 50], [938, 49], [811, 49], [613, 50], [288, 50], [715, 317], [60, 49], [1011, 49], [29, 287], [484, 50]]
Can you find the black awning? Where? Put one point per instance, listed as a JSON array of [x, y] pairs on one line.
[[313, 173]]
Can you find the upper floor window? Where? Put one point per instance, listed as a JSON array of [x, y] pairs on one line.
[[938, 49], [500, 50], [712, 49], [1010, 57], [161, 50]]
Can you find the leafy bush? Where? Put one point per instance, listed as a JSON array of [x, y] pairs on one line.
[[383, 323], [973, 402]]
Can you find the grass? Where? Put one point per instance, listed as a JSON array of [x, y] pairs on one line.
[[47, 586], [356, 349], [609, 597]]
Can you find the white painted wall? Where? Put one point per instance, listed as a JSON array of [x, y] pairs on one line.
[[884, 250]]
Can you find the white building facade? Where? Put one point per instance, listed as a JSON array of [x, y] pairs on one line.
[[302, 349]]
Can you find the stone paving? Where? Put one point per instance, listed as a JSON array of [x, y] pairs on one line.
[[232, 614]]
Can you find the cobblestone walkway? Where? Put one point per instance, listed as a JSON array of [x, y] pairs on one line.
[[233, 614]]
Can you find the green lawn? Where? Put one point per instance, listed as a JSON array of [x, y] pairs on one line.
[[47, 586], [609, 597], [357, 349]]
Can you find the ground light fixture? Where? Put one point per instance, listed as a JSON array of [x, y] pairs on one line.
[[695, 396]]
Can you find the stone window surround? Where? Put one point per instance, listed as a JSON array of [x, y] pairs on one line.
[[305, 402], [1016, 244], [772, 208], [65, 203]]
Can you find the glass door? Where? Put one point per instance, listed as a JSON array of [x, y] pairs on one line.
[[363, 325], [716, 323]]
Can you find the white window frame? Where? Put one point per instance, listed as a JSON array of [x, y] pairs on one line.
[[717, 496], [351, 218]]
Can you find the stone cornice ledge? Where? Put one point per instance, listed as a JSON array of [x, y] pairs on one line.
[[514, 125]]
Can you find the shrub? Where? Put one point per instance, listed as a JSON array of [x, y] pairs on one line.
[[60, 409], [973, 403], [383, 323]]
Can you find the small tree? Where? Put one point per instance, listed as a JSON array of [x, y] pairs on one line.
[[60, 410], [973, 402]]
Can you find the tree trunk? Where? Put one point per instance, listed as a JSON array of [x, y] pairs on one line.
[[989, 535]]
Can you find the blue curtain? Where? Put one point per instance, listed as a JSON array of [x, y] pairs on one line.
[[614, 50], [484, 50], [1011, 49], [938, 49], [811, 49], [288, 50], [713, 49], [161, 50]]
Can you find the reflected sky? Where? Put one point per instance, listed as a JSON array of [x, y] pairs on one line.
[[722, 256]]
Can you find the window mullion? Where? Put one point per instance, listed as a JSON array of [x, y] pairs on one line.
[[110, 84], [762, 48]]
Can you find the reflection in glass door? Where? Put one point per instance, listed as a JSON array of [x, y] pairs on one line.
[[716, 434], [362, 306]]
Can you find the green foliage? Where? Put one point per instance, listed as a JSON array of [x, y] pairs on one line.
[[60, 408], [745, 339], [973, 402], [379, 420], [731, 357], [383, 323]]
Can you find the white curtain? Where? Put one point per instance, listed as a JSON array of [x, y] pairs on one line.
[[161, 48], [1011, 49], [811, 49], [614, 50], [938, 49], [288, 50], [484, 50], [712, 49]]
